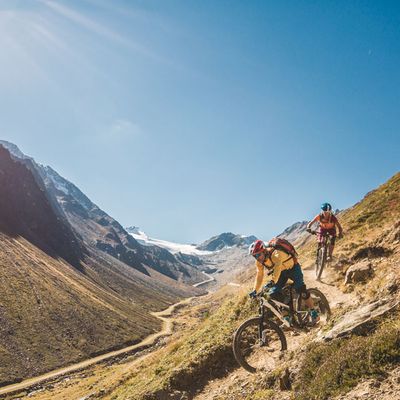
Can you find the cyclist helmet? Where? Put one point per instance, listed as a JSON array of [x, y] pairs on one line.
[[326, 207], [256, 247]]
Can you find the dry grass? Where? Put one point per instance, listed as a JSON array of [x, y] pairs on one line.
[[202, 353], [51, 315], [334, 368]]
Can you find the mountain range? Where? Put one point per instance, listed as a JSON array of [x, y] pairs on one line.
[[74, 282]]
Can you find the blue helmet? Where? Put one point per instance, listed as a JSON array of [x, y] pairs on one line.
[[326, 207]]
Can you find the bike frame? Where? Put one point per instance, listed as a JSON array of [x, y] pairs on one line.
[[324, 247], [274, 305], [327, 237]]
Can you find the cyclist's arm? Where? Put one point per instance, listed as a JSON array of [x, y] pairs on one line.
[[259, 277], [309, 225], [339, 226]]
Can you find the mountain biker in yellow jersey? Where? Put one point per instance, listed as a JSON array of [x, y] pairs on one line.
[[327, 224], [282, 266]]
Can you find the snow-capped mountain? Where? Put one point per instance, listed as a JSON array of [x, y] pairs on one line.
[[224, 256], [173, 247], [99, 230], [226, 240]]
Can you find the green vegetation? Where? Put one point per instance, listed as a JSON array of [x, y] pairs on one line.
[[334, 368], [199, 355]]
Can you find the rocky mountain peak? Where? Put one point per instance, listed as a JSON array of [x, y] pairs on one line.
[[295, 231], [224, 240]]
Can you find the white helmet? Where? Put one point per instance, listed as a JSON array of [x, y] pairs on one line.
[[256, 247]]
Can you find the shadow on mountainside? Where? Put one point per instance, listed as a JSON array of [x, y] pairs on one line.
[[26, 211]]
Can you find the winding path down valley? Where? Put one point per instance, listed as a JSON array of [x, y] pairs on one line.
[[210, 279], [167, 325]]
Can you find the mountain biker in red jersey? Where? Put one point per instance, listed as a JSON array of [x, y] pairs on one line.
[[327, 224], [282, 266]]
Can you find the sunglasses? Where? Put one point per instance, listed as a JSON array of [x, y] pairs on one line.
[[257, 256]]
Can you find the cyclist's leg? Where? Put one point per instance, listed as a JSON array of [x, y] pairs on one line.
[[296, 275], [332, 232], [298, 279], [320, 238], [321, 232], [276, 290]]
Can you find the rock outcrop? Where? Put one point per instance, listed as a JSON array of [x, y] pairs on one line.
[[361, 320], [359, 272]]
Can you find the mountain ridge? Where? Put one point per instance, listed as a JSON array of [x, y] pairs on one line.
[[98, 229], [41, 225]]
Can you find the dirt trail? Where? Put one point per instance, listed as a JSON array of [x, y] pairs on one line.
[[146, 343], [210, 279], [220, 388]]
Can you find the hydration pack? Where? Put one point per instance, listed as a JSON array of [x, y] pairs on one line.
[[283, 245]]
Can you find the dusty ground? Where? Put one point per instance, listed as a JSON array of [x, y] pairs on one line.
[[234, 385]]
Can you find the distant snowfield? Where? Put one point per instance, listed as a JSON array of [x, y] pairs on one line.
[[174, 248]]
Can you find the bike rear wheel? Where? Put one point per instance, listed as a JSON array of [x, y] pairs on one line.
[[255, 348], [321, 261], [321, 305]]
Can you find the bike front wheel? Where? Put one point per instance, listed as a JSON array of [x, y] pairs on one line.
[[258, 345]]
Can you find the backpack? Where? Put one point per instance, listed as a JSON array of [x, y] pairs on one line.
[[284, 245]]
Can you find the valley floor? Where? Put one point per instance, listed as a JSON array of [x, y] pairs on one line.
[[76, 381]]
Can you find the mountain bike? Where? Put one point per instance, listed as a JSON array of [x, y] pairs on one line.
[[260, 341], [322, 253]]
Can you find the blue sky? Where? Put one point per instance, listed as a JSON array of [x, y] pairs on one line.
[[191, 118]]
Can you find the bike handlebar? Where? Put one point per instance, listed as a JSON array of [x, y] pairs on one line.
[[316, 233]]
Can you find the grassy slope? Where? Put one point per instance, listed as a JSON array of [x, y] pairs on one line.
[[206, 352], [366, 223], [330, 369], [52, 315], [198, 355], [372, 229]]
